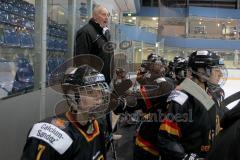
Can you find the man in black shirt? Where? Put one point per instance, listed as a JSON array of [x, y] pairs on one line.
[[94, 38]]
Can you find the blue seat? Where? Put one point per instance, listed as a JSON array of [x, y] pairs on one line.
[[28, 24], [57, 45], [50, 43], [7, 76], [26, 40], [7, 7], [11, 38], [4, 18], [16, 10], [52, 65], [24, 79]]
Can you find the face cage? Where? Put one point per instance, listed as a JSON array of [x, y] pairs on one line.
[[97, 110]]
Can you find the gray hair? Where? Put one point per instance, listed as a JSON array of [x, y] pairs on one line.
[[97, 9]]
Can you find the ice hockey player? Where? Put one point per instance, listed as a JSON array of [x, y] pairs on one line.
[[226, 144], [121, 84], [191, 139], [208, 72], [154, 67], [178, 69], [78, 133]]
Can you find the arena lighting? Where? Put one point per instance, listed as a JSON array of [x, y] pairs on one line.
[[154, 18], [61, 12]]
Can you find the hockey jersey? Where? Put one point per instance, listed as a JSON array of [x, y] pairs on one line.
[[62, 138]]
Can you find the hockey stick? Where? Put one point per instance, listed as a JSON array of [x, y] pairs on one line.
[[196, 91], [230, 99]]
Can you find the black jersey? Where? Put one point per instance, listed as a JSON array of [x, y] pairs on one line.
[[182, 130], [226, 145], [60, 138], [188, 125], [217, 111]]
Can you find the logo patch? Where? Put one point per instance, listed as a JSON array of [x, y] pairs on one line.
[[60, 123], [178, 97], [202, 53]]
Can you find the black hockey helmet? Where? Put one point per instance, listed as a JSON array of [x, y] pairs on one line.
[[86, 91], [180, 62], [83, 87], [209, 61], [83, 75], [204, 59], [152, 57], [178, 68]]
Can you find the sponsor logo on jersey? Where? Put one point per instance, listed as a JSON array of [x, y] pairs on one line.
[[95, 78], [202, 53], [52, 135]]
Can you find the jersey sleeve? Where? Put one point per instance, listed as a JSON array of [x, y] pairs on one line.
[[170, 129], [46, 141], [37, 150]]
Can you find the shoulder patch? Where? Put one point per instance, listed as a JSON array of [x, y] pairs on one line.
[[60, 123], [52, 135], [178, 97]]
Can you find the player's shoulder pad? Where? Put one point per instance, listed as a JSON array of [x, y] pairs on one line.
[[178, 96], [52, 135]]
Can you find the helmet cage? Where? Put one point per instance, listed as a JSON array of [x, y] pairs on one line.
[[74, 95]]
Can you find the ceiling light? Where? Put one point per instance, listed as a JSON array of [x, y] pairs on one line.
[[134, 18]]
